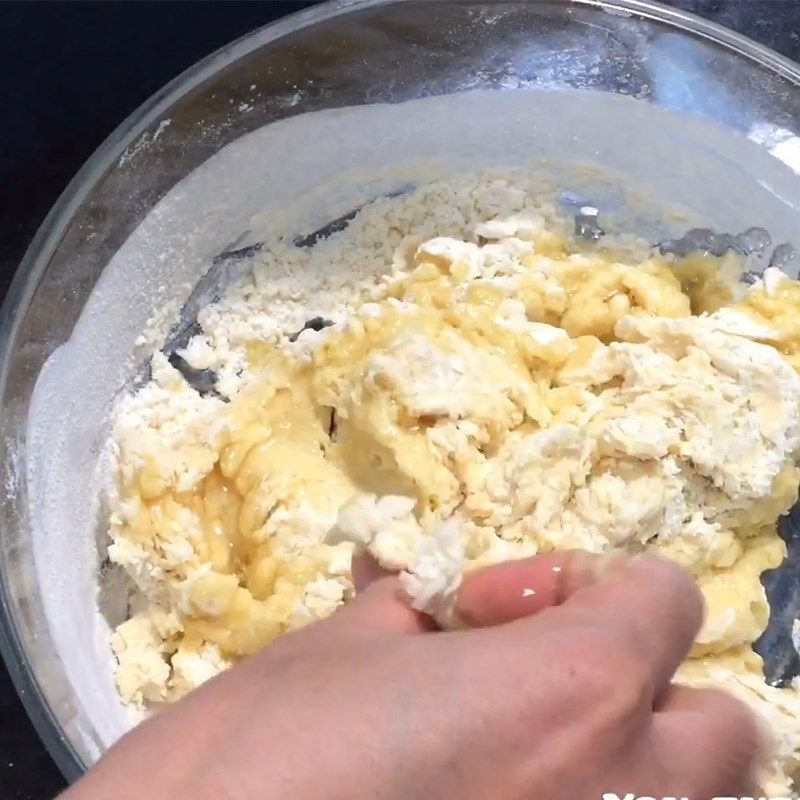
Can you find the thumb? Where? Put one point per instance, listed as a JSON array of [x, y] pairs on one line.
[[381, 603], [488, 596], [515, 589]]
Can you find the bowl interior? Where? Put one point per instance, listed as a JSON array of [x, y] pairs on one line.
[[661, 121]]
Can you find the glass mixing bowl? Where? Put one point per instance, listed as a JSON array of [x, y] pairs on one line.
[[735, 152]]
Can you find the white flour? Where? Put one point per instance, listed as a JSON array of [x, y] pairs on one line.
[[288, 285]]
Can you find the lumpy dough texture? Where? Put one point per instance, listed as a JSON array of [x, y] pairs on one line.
[[498, 394]]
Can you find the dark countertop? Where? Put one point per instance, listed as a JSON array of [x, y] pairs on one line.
[[70, 73]]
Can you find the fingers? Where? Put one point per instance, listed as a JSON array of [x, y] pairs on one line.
[[491, 595], [707, 743], [515, 589], [380, 603], [488, 596], [504, 592], [651, 607], [366, 570]]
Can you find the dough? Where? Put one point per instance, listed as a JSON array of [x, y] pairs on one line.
[[497, 395]]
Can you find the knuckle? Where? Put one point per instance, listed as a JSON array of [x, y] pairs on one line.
[[672, 585], [620, 653], [726, 743], [625, 682], [732, 716], [613, 676]]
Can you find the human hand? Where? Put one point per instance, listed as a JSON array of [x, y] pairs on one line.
[[560, 693]]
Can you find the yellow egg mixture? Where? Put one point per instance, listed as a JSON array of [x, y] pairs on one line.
[[541, 395]]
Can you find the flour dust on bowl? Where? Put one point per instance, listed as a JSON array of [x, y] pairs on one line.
[[524, 184]]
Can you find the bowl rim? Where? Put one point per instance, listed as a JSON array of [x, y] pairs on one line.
[[46, 240]]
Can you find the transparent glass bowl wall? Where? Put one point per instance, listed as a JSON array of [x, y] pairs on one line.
[[334, 55]]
